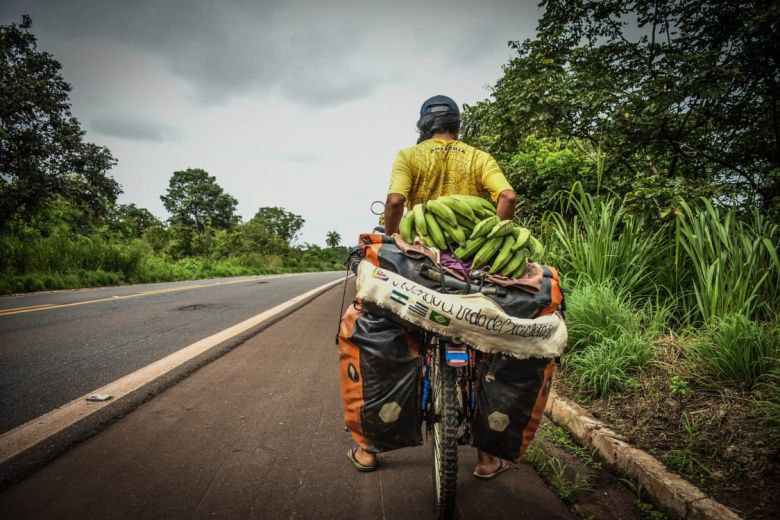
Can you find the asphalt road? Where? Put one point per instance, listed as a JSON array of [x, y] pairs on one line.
[[57, 346], [258, 433]]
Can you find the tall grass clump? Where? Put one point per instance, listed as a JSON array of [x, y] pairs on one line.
[[599, 310], [733, 263], [602, 244], [607, 366], [610, 337], [734, 351]]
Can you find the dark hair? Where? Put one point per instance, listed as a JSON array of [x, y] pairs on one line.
[[430, 124]]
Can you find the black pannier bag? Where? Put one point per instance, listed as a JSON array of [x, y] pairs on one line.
[[510, 399], [380, 381]]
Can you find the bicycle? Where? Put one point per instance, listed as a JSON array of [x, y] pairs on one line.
[[447, 403], [447, 398]]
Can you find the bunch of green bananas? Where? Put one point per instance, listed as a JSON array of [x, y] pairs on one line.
[[471, 224]]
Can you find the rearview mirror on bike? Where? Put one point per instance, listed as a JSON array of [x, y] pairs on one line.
[[378, 208]]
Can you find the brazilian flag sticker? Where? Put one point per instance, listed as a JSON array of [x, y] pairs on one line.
[[439, 318]]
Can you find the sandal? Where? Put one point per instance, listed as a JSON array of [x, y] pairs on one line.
[[358, 465], [502, 467]]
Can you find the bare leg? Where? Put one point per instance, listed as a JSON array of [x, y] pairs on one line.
[[486, 463]]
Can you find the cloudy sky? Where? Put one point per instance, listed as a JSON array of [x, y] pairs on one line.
[[298, 104]]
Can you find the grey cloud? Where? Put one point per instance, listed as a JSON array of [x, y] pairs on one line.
[[321, 88], [222, 49], [493, 36], [128, 126], [309, 52]]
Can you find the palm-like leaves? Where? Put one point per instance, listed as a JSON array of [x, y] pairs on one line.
[[333, 238]]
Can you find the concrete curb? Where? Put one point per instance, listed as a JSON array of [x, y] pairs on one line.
[[673, 494], [28, 447]]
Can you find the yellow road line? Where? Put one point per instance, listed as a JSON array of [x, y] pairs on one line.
[[49, 306], [180, 288], [31, 307]]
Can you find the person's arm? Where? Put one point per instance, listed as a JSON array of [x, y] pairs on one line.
[[494, 181], [400, 185], [506, 205], [394, 210]]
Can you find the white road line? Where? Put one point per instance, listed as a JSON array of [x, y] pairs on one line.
[[36, 431]]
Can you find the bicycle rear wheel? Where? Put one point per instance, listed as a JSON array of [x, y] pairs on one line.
[[445, 435]]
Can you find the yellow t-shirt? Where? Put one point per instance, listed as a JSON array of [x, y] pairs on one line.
[[438, 167]]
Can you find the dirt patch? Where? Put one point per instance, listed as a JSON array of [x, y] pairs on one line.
[[713, 439]]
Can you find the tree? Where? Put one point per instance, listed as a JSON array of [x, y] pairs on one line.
[[333, 239], [260, 239], [131, 221], [42, 151], [680, 96], [279, 222], [196, 201], [544, 167]]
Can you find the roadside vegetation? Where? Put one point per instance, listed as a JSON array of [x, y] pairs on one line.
[[61, 226], [659, 203], [129, 245], [580, 479]]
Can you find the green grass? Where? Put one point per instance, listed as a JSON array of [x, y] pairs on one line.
[[60, 253], [598, 310], [645, 509], [603, 244], [734, 351], [155, 268], [162, 272], [715, 270], [610, 338], [732, 263], [565, 486], [687, 458], [560, 437], [566, 482], [33, 282], [607, 366]]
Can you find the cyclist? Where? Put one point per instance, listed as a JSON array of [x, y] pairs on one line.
[[440, 165]]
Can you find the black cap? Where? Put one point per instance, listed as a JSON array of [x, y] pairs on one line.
[[438, 104]]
